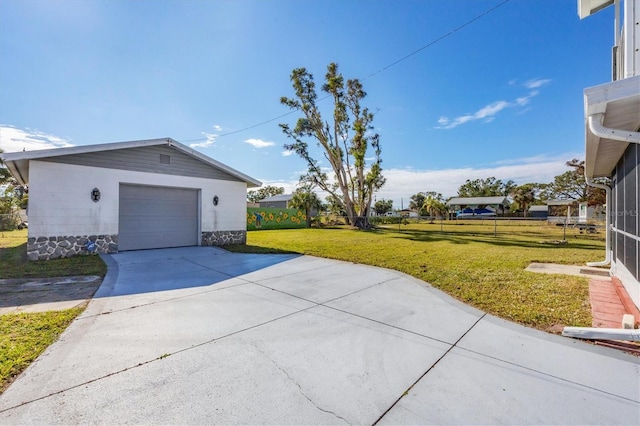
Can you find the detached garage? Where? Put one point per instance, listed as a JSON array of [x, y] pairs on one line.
[[129, 196]]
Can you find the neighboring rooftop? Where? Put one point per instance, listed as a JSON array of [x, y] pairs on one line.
[[276, 198]]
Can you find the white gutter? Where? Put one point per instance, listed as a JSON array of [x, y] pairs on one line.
[[599, 130]]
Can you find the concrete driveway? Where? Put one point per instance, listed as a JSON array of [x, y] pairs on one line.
[[202, 336]]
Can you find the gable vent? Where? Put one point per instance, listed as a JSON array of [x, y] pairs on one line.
[[165, 159]]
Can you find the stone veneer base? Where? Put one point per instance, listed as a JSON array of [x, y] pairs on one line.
[[47, 248], [223, 238]]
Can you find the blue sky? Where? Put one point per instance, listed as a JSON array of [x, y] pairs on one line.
[[501, 96]]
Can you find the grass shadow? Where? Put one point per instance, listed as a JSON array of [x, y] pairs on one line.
[[512, 239], [249, 249]]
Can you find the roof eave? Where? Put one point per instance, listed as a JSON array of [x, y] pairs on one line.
[[18, 162], [619, 101]]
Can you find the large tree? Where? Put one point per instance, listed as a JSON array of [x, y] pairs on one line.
[[416, 202], [5, 175], [572, 185], [523, 196], [12, 197], [382, 207], [489, 187], [257, 195], [305, 199], [344, 140]]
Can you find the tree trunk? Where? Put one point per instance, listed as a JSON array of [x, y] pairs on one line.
[[362, 222]]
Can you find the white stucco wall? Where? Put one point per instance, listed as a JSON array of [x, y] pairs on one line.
[[60, 199]]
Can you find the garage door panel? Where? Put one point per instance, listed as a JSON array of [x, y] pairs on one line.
[[156, 217]]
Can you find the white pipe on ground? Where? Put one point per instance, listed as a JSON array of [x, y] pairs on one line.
[[602, 333]]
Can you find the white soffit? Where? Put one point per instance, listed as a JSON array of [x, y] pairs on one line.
[[619, 101], [589, 7]]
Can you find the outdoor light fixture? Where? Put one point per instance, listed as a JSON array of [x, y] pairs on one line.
[[95, 195], [215, 200]]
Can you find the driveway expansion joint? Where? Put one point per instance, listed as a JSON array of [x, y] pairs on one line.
[[406, 392]]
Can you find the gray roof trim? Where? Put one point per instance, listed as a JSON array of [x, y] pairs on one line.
[[539, 208], [18, 162], [562, 202], [282, 197], [456, 201]]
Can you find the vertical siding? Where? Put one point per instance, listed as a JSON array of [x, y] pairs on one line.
[[152, 159]]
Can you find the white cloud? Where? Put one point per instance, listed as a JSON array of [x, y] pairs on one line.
[[259, 143], [13, 139], [403, 183], [289, 186], [210, 140], [487, 113], [536, 82], [287, 153]]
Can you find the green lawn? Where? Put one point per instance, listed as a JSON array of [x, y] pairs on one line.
[[465, 260], [23, 337]]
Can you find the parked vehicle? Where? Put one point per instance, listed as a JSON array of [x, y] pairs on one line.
[[470, 213]]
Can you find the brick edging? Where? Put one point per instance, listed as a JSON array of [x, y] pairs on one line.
[[628, 304]]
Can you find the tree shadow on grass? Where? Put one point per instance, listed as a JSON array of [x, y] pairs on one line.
[[247, 248], [512, 239]]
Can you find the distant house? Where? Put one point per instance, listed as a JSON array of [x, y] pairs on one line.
[[128, 196], [409, 213], [539, 212], [612, 121], [281, 202], [277, 201], [563, 211], [470, 207]]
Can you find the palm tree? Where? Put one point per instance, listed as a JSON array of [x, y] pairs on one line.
[[433, 205]]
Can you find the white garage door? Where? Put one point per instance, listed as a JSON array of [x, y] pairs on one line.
[[156, 217]]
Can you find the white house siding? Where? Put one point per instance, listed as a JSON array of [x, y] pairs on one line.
[[63, 218]]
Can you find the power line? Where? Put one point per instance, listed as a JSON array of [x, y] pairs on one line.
[[386, 67], [439, 39]]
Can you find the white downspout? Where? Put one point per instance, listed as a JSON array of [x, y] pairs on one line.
[[607, 234], [598, 129]]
